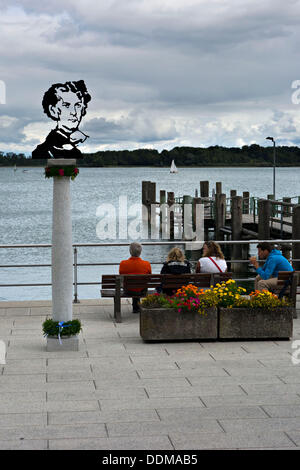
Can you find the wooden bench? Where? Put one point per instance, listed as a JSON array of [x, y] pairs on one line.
[[117, 286], [293, 289]]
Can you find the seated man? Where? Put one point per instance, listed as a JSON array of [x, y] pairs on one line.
[[268, 274], [135, 265]]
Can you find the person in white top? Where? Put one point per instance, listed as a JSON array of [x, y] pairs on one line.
[[213, 259]]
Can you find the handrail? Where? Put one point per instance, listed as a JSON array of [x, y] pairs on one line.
[[144, 243]]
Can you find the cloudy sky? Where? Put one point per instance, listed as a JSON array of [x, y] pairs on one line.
[[162, 73]]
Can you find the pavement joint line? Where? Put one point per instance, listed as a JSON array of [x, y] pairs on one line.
[[205, 406], [171, 441], [262, 408], [260, 362], [289, 437], [223, 429], [159, 417], [239, 385], [212, 357], [281, 379], [226, 371], [106, 429], [147, 394]]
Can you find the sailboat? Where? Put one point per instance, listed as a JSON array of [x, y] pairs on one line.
[[173, 168]]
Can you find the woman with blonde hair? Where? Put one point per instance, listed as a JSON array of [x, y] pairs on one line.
[[213, 259], [175, 264]]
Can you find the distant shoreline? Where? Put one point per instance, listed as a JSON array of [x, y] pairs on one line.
[[294, 165], [184, 157]]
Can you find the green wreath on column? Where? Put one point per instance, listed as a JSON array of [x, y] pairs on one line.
[[71, 171]]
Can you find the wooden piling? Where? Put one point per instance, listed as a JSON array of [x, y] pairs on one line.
[[197, 201], [187, 204], [246, 202], [287, 209], [171, 202], [273, 207], [296, 236], [162, 214], [204, 188], [232, 195], [218, 188], [237, 227], [264, 213], [220, 215]]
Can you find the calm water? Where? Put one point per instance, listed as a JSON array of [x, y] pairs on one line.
[[26, 214]]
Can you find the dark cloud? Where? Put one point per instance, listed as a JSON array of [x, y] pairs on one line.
[[165, 73], [133, 128]]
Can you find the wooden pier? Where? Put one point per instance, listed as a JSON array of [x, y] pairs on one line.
[[228, 218]]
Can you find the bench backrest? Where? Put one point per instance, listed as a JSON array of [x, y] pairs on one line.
[[221, 277], [285, 275], [152, 281]]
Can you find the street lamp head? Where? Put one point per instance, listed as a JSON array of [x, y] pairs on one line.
[[270, 138]]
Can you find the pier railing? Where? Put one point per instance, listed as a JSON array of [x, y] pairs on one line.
[[189, 245]]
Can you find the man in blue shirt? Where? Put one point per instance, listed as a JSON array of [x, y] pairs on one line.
[[267, 275]]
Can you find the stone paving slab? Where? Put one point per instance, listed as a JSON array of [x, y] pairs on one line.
[[118, 443], [119, 392], [240, 440], [24, 444]]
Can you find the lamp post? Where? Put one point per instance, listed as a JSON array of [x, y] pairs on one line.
[[274, 163]]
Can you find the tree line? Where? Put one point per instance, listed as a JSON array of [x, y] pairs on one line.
[[252, 155]]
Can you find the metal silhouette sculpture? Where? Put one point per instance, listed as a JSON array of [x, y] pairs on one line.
[[66, 104]]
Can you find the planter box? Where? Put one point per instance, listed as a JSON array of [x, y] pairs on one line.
[[69, 343], [259, 323], [159, 324]]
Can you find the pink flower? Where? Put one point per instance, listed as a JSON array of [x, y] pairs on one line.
[[76, 171], [61, 172]]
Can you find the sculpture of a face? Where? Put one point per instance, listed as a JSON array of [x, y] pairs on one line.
[[66, 104], [67, 111]]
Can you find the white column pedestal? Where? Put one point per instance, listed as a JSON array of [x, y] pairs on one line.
[[62, 251]]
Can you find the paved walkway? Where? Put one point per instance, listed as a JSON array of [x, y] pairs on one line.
[[118, 392]]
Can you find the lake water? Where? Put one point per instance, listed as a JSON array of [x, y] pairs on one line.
[[26, 214]]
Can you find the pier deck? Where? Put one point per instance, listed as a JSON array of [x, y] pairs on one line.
[[120, 393]]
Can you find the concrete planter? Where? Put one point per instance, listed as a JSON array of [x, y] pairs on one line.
[[258, 323], [69, 343], [159, 324]]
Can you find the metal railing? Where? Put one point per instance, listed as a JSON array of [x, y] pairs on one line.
[[188, 245]]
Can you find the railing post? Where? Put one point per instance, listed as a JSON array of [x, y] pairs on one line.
[[75, 301]]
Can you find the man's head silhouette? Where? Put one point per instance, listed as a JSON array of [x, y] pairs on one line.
[[66, 104]]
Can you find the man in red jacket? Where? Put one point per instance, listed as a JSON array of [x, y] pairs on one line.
[[135, 265]]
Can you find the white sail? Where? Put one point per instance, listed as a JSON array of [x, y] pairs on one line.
[[173, 168], [15, 167]]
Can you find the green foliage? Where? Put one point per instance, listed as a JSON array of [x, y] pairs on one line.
[[156, 301], [51, 328]]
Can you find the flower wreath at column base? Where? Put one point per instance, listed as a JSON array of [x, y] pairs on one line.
[[71, 171], [58, 329]]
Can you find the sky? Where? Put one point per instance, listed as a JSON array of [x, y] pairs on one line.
[[161, 73]]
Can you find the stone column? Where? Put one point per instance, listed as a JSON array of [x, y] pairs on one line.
[[62, 253]]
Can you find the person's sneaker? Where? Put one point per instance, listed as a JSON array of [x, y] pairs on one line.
[[135, 311]]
